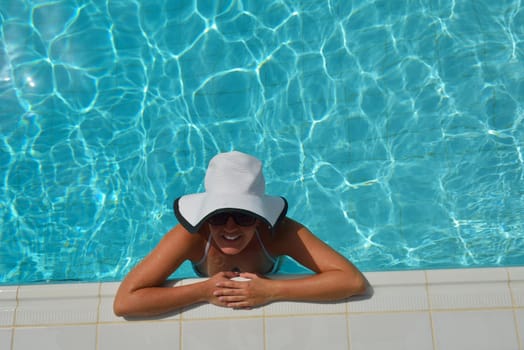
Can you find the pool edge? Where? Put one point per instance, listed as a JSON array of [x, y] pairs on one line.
[[426, 298]]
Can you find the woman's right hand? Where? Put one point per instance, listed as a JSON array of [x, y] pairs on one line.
[[211, 286]]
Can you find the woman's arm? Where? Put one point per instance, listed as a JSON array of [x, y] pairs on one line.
[[335, 277], [142, 292]]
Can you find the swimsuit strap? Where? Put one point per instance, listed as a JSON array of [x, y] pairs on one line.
[[201, 261], [266, 253]]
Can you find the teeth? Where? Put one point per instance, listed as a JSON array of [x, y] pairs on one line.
[[231, 238]]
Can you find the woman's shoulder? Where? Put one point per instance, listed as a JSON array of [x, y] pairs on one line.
[[288, 226], [192, 243], [282, 234], [180, 231], [284, 226]]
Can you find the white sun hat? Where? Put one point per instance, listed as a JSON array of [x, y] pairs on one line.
[[233, 182]]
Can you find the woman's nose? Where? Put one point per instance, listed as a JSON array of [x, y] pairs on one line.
[[231, 223]]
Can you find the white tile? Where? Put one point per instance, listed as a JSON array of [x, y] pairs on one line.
[[7, 305], [392, 298], [289, 308], [393, 331], [475, 330], [468, 289], [5, 338], [56, 338], [57, 304], [516, 278], [516, 273], [224, 334], [210, 311], [395, 278], [307, 332], [476, 275], [393, 291], [107, 296], [519, 314], [139, 336]]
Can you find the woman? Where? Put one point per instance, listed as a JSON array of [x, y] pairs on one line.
[[234, 234]]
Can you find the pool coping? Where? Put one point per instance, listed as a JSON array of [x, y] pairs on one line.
[[394, 291], [418, 291]]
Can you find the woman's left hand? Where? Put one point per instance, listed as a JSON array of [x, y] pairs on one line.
[[252, 292]]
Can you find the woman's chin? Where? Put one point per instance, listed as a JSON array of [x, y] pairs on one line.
[[230, 250], [231, 247]]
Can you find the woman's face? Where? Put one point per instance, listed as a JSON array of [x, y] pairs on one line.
[[230, 237]]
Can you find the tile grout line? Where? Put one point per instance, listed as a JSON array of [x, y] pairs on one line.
[[98, 308], [514, 309], [264, 328], [217, 318], [14, 318], [181, 319], [180, 329], [59, 325], [430, 311], [348, 336], [387, 312]]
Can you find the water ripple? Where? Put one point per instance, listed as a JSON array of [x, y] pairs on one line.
[[394, 129]]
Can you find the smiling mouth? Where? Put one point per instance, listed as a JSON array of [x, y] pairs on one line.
[[231, 237]]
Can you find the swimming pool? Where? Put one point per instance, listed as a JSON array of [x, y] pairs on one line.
[[394, 129]]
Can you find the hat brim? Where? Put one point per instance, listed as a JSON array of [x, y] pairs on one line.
[[194, 209]]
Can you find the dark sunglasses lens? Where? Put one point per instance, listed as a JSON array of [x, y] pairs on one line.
[[239, 218], [244, 219], [219, 219]]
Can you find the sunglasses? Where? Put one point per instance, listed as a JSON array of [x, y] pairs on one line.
[[241, 219]]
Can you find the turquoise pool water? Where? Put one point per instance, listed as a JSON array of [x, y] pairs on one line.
[[394, 128]]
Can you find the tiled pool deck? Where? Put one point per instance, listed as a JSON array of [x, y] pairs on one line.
[[435, 309]]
